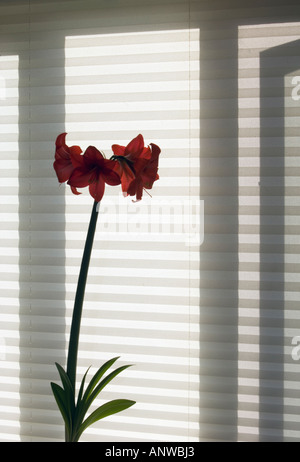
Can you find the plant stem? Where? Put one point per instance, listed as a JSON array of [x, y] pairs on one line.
[[76, 319]]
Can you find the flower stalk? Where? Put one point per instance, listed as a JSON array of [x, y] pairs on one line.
[[79, 297]]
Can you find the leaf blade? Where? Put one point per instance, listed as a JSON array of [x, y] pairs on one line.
[[106, 380], [69, 390], [64, 377], [78, 414], [87, 400], [97, 376], [79, 397], [107, 409], [59, 395]]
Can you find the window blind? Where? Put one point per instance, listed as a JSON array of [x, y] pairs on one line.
[[216, 85], [268, 242], [249, 368], [103, 73]]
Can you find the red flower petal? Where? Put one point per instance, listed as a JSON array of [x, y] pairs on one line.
[[136, 189], [135, 147], [155, 150], [74, 190], [75, 150], [93, 154], [80, 178], [126, 175], [118, 150], [141, 162], [97, 188], [149, 174], [66, 158], [63, 170], [109, 172], [61, 140]]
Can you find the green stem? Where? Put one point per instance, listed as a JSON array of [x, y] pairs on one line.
[[75, 327]]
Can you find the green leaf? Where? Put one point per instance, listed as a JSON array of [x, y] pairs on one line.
[[82, 387], [69, 390], [84, 404], [78, 414], [104, 382], [101, 371], [107, 409], [64, 378], [60, 397], [93, 390]]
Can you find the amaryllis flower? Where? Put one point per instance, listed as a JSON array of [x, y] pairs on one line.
[[145, 177], [94, 171], [66, 159], [137, 166]]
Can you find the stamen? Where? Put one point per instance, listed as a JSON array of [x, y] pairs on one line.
[[147, 192]]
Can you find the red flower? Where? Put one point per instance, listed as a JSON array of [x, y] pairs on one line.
[[94, 171], [137, 166], [134, 166], [66, 159]]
